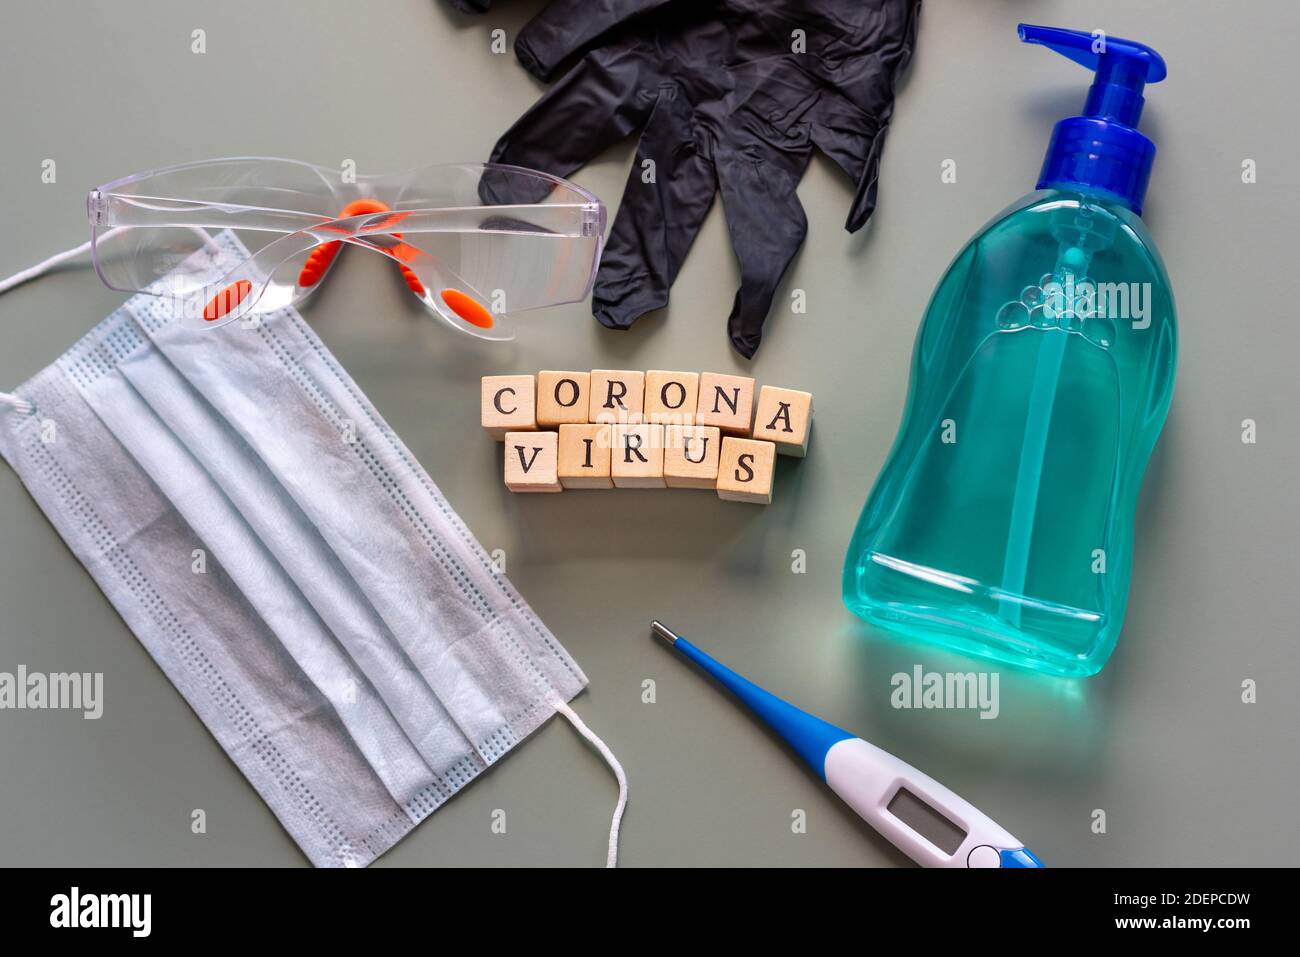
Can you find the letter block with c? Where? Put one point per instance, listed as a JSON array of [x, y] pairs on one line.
[[508, 405]]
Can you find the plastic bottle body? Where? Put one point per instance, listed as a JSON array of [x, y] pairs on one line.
[[1002, 522]]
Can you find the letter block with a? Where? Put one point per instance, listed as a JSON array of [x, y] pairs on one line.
[[784, 416]]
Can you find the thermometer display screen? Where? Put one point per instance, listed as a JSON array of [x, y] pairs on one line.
[[926, 821]]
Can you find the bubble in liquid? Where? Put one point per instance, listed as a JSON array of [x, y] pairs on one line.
[[1013, 315], [1031, 295]]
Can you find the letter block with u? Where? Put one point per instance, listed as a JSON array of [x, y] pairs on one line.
[[691, 456]]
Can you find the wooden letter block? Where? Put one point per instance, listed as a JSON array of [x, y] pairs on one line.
[[562, 397], [784, 416], [531, 462], [584, 456], [726, 401], [671, 397], [691, 456], [616, 396], [507, 404], [637, 456], [745, 470]]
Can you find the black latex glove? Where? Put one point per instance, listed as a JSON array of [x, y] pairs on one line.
[[721, 105], [471, 6]]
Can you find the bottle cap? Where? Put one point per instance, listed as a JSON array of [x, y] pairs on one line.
[[1101, 149]]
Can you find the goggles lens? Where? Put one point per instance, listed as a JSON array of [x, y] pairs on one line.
[[475, 244]]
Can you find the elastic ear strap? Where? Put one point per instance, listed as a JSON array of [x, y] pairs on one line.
[[45, 265], [17, 279], [611, 859], [22, 406]]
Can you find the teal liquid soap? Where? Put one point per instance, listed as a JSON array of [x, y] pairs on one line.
[[1001, 524]]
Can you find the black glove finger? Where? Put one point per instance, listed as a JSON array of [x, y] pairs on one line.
[[853, 141], [669, 191], [471, 6], [767, 226], [599, 102]]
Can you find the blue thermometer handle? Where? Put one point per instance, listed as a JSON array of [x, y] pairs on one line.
[[867, 778]]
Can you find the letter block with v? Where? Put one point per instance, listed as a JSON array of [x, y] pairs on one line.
[[532, 462]]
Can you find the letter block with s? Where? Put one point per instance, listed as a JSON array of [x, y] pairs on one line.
[[745, 470]]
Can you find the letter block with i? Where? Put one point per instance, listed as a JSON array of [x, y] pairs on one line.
[[532, 462], [507, 404], [784, 416], [637, 456], [584, 456]]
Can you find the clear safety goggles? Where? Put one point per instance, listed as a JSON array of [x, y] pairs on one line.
[[474, 243]]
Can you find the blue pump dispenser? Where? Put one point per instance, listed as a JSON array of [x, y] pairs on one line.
[[1102, 150], [1015, 541]]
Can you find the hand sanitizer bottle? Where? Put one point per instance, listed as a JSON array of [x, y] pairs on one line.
[[1002, 522]]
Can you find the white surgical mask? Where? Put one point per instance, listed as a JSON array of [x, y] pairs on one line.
[[290, 566]]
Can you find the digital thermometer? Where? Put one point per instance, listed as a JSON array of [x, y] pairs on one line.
[[922, 818]]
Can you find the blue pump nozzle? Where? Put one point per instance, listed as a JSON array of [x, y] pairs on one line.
[[1102, 148]]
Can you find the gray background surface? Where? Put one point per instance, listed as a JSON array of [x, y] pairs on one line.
[[1187, 774]]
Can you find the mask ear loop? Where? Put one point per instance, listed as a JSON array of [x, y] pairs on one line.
[[611, 858], [19, 405], [58, 259], [22, 406]]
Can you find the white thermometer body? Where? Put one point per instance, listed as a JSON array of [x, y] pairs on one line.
[[890, 795]]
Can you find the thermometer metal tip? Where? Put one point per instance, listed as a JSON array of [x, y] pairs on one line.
[[660, 630]]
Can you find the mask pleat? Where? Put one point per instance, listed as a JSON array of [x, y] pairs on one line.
[[381, 517], [276, 726], [222, 537], [303, 557], [347, 640]]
